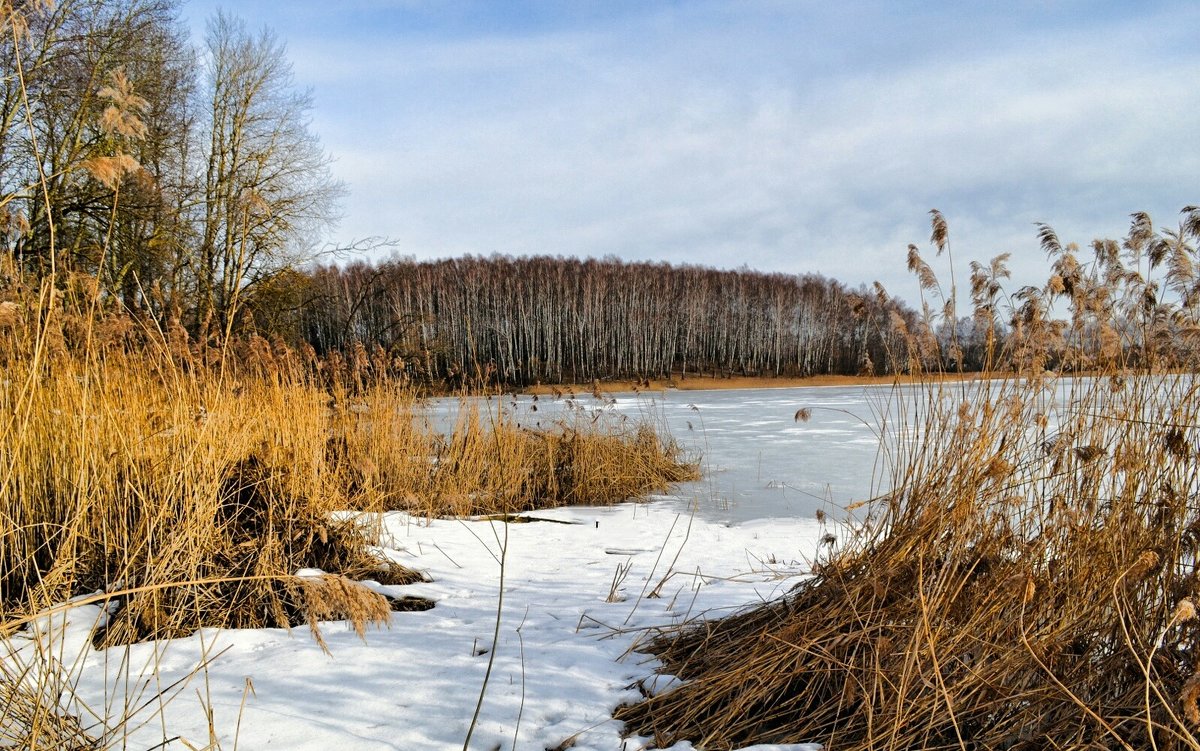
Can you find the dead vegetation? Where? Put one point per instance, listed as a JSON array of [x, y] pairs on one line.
[[181, 487], [1031, 581], [193, 492], [489, 463], [190, 500]]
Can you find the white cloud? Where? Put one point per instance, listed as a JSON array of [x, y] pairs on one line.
[[722, 138]]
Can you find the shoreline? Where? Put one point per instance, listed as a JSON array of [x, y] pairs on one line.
[[742, 382], [722, 383]]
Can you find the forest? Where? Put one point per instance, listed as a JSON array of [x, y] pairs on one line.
[[566, 320], [1132, 303]]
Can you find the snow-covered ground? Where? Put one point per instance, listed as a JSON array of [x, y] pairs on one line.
[[577, 596], [580, 588]]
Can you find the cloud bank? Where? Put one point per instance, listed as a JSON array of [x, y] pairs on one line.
[[788, 137]]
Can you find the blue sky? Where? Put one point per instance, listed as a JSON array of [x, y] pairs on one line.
[[787, 136]]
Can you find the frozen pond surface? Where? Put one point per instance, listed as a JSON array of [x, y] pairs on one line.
[[758, 460]]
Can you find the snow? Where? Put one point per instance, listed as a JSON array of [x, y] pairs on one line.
[[571, 615], [577, 598]]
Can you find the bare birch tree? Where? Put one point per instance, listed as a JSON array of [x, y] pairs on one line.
[[268, 191]]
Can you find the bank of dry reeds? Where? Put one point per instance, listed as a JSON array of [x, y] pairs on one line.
[[205, 488], [487, 462], [182, 485], [1031, 581]]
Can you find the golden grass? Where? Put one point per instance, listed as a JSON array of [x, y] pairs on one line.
[[116, 477], [181, 487], [120, 473], [487, 463]]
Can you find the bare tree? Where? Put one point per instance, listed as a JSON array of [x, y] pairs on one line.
[[53, 125], [565, 320], [268, 191]]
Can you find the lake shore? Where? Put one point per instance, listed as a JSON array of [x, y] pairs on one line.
[[713, 383]]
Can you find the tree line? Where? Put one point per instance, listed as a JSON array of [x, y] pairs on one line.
[[556, 320]]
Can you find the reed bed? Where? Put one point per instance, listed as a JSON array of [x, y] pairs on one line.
[[202, 497], [183, 486], [122, 472], [1030, 583], [489, 463]]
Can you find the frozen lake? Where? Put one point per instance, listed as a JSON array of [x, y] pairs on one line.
[[758, 461]]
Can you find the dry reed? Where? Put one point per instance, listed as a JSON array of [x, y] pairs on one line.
[[145, 471], [1028, 584], [182, 486]]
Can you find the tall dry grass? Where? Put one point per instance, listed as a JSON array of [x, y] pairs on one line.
[[182, 486], [486, 462], [119, 478], [1031, 581], [150, 468]]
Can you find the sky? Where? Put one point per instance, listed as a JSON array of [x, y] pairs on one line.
[[795, 137]]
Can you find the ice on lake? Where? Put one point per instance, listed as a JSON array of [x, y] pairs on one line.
[[757, 460]]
